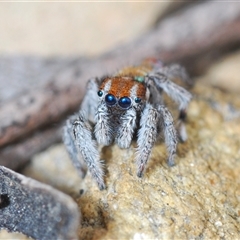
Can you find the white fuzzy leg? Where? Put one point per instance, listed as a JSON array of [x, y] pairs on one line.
[[103, 131], [68, 140], [147, 135], [170, 133], [180, 95], [82, 132], [91, 99], [126, 129], [176, 71]]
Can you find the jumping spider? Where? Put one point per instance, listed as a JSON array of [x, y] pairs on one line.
[[115, 108]]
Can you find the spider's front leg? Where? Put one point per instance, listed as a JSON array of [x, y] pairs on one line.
[[147, 136], [78, 136], [180, 95], [88, 109], [69, 141], [87, 146]]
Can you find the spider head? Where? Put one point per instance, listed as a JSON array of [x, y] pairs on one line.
[[122, 92]]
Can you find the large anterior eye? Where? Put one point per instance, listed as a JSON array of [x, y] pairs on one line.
[[110, 99], [124, 102]]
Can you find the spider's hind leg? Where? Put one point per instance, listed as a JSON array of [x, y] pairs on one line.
[[161, 79], [170, 134], [90, 101], [176, 71]]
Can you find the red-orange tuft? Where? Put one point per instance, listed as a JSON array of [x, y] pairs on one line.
[[122, 86]]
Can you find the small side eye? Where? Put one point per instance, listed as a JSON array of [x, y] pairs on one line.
[[139, 79], [110, 99], [100, 93], [124, 102], [137, 100]]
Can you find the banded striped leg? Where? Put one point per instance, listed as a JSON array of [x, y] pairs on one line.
[[86, 145]]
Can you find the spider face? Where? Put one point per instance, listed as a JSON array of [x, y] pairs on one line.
[[122, 92]]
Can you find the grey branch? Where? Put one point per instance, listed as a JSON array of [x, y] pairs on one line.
[[35, 209]]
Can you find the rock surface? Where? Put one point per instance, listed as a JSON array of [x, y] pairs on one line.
[[199, 198]]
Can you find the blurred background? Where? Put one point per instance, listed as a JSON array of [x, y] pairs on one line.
[[52, 29]]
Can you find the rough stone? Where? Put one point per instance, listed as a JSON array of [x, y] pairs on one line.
[[199, 198]]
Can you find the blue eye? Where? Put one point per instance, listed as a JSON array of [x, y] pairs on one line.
[[110, 99], [124, 102], [100, 93], [137, 100]]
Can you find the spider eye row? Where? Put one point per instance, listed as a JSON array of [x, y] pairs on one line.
[[124, 102], [110, 99]]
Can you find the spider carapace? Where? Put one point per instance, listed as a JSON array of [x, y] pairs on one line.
[[129, 103]]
